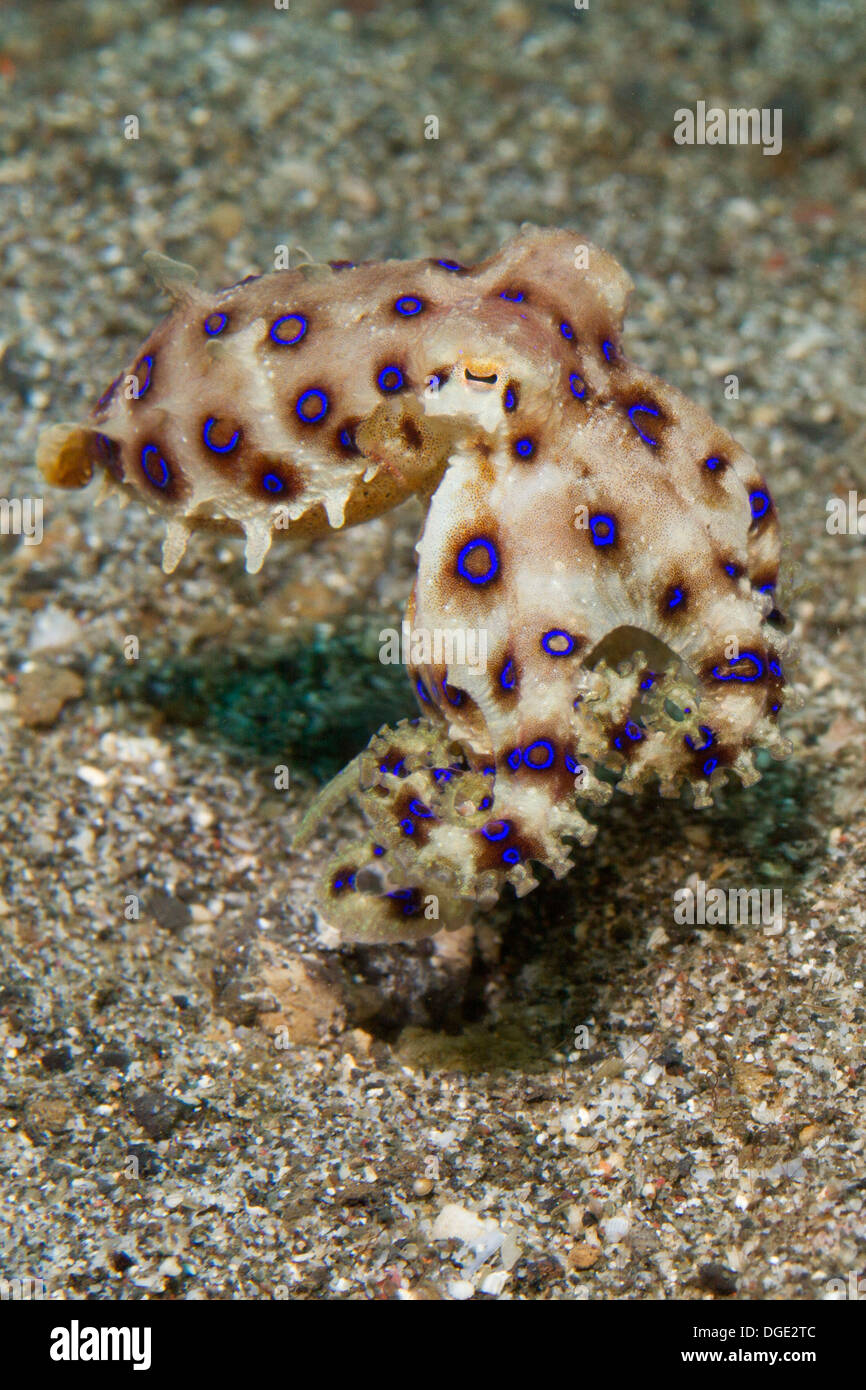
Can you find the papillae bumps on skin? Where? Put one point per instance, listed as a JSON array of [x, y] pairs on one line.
[[616, 548]]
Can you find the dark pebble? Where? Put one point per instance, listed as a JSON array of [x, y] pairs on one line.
[[157, 1113], [716, 1278]]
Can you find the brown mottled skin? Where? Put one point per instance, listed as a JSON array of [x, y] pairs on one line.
[[617, 549]]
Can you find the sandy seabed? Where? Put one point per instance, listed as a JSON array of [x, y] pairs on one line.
[[204, 1094]]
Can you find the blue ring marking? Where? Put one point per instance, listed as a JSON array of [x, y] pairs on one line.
[[759, 503], [457, 698], [557, 632], [514, 759], [775, 668], [485, 803], [406, 896], [450, 265], [524, 447], [510, 399], [493, 561], [602, 537], [511, 856], [677, 598], [489, 771], [442, 774], [501, 827], [775, 707], [382, 382], [108, 393], [165, 475], [271, 483], [633, 731], [566, 330], [710, 766], [648, 682], [209, 327], [309, 395], [732, 570], [419, 809], [641, 409], [575, 381], [609, 350], [147, 362], [508, 679], [709, 739], [572, 765], [515, 298], [766, 588], [347, 439], [713, 463], [548, 748], [736, 676], [342, 265], [422, 691], [378, 850], [408, 305], [218, 448], [282, 341], [407, 826]]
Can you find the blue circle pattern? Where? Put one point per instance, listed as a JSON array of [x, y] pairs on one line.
[[390, 379], [218, 448], [602, 528], [293, 335], [551, 636], [313, 414], [734, 675], [471, 548], [155, 468]]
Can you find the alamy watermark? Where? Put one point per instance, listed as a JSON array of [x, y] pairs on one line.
[[22, 516], [421, 646], [714, 907], [846, 518], [739, 125]]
